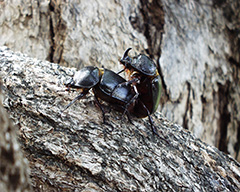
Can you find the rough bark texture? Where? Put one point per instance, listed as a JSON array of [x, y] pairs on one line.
[[14, 170], [75, 151], [73, 33], [200, 67], [196, 44]]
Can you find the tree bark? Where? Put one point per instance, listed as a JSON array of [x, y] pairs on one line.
[[76, 151], [14, 170], [71, 33], [200, 68], [195, 43]]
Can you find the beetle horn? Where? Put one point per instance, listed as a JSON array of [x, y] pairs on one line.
[[125, 59], [126, 53]]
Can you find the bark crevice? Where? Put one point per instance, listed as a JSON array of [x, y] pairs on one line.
[[57, 32], [224, 115]]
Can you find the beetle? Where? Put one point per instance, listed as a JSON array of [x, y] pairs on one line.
[[125, 96], [104, 83], [143, 74]]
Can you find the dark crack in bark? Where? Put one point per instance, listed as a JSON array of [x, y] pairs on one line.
[[188, 107], [224, 118], [57, 32]]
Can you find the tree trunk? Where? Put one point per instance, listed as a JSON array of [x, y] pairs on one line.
[[76, 151], [200, 68], [195, 43]]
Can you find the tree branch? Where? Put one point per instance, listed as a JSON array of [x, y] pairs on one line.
[[74, 150]]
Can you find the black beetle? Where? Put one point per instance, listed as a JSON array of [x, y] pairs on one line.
[[139, 96], [143, 74], [104, 83]]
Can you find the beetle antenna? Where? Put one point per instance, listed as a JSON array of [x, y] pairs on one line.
[[154, 129]]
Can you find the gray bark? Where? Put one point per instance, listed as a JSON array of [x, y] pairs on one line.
[[196, 44], [200, 66], [75, 151], [14, 170], [73, 33]]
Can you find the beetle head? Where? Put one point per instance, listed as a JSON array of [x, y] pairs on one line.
[[126, 60]]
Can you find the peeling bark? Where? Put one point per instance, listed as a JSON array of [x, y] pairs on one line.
[[75, 151]]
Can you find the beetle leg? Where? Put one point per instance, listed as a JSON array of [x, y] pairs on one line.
[[103, 112], [75, 99], [129, 119], [154, 130], [151, 121], [100, 106], [127, 105], [120, 71], [131, 101]]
